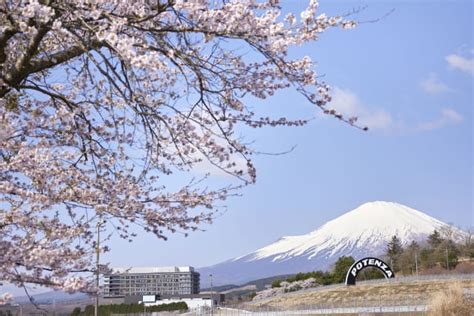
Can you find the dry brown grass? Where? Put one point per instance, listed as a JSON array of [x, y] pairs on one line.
[[451, 302], [414, 293]]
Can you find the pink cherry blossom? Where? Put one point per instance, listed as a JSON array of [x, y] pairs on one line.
[[102, 102]]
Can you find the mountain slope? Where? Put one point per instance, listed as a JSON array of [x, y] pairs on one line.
[[51, 297], [363, 231]]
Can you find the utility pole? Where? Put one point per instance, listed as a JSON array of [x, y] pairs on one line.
[[97, 274], [212, 297], [416, 263], [447, 259]]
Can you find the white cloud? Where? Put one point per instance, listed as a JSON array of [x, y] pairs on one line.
[[432, 84], [348, 104], [377, 120], [461, 63], [452, 115], [448, 117]]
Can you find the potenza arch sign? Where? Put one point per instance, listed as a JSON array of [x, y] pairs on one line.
[[366, 263]]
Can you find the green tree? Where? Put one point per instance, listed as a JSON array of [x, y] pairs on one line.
[[467, 247], [394, 251], [340, 268], [89, 310], [441, 251], [323, 278], [370, 274], [449, 252], [434, 240], [76, 311], [409, 259], [427, 258], [414, 246]]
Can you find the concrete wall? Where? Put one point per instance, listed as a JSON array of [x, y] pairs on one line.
[[108, 301], [193, 303]]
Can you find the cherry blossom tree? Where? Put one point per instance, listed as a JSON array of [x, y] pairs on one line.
[[102, 101]]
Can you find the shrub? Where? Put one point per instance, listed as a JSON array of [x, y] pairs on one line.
[[450, 302], [433, 271], [89, 310], [465, 267]]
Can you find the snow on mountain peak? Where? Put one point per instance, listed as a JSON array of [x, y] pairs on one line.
[[369, 226], [361, 232]]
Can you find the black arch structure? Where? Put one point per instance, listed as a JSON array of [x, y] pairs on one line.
[[369, 262]]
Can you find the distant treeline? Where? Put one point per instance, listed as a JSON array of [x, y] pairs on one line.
[[336, 275], [439, 253], [107, 310]]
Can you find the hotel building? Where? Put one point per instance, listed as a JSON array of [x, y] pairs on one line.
[[165, 281]]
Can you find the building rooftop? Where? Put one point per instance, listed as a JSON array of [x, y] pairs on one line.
[[152, 269]]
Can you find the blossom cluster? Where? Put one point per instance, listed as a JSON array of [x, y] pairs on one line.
[[102, 101], [5, 298]]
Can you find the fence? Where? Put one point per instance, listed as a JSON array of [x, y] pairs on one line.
[[402, 310], [396, 280], [355, 305], [418, 309]]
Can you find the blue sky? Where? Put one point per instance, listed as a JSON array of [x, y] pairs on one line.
[[410, 77]]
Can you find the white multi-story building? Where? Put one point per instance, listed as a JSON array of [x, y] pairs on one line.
[[151, 281]]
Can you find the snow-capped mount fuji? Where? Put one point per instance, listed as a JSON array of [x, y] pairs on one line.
[[363, 231]]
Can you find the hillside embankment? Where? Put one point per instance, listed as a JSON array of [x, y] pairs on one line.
[[393, 293]]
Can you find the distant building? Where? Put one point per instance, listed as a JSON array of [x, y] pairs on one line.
[[10, 310], [151, 281]]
